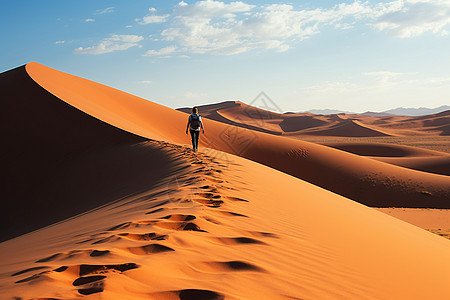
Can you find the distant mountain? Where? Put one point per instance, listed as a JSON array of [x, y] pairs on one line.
[[400, 111], [417, 111], [376, 114], [328, 111]]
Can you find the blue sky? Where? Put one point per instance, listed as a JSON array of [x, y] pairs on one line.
[[348, 55]]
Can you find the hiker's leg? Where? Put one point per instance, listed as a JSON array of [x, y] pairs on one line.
[[194, 145], [197, 134]]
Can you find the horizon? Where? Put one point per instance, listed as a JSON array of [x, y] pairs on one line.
[[353, 56]]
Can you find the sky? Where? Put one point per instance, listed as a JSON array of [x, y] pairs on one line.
[[349, 55]]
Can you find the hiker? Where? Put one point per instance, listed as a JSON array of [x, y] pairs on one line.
[[194, 124]]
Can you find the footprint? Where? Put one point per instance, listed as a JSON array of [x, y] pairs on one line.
[[238, 240], [154, 211], [34, 277], [74, 253], [109, 239], [149, 249], [144, 237], [208, 195], [87, 279], [120, 226], [96, 287], [189, 294], [97, 253], [263, 234], [29, 270], [83, 270], [226, 266], [230, 213], [180, 226], [209, 203], [235, 199], [179, 217]]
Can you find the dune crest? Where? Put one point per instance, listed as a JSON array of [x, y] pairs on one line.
[[106, 199], [370, 182]]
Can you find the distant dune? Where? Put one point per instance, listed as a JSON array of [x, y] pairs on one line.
[[103, 197], [340, 125]]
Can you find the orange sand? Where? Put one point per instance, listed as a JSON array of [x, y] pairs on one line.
[[152, 220]]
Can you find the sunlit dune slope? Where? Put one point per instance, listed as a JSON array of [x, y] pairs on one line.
[[227, 227], [362, 179]]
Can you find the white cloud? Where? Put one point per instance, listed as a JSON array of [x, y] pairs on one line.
[[153, 19], [227, 28], [211, 8], [162, 52], [89, 20], [106, 10], [412, 18], [220, 28], [114, 43], [60, 42], [152, 9], [145, 81]]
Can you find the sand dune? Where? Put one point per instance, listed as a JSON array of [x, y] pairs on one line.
[[400, 155], [143, 217], [343, 125], [295, 241], [361, 179]]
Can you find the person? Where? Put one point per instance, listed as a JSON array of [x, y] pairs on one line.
[[194, 124]]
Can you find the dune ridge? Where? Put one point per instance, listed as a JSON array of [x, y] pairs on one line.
[[147, 218], [370, 182]]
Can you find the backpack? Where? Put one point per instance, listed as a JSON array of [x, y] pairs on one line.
[[195, 121]]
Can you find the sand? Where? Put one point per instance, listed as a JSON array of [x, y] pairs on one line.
[[121, 208]]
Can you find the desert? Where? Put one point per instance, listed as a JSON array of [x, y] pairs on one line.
[[102, 201]]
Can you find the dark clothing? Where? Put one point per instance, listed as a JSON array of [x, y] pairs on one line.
[[194, 135], [197, 122]]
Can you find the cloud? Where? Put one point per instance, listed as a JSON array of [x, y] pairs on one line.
[[412, 18], [60, 42], [220, 28], [211, 8], [89, 20], [153, 19], [145, 81], [228, 28], [105, 10], [114, 43], [162, 52]]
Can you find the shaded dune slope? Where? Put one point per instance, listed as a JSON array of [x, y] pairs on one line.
[[59, 161]]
